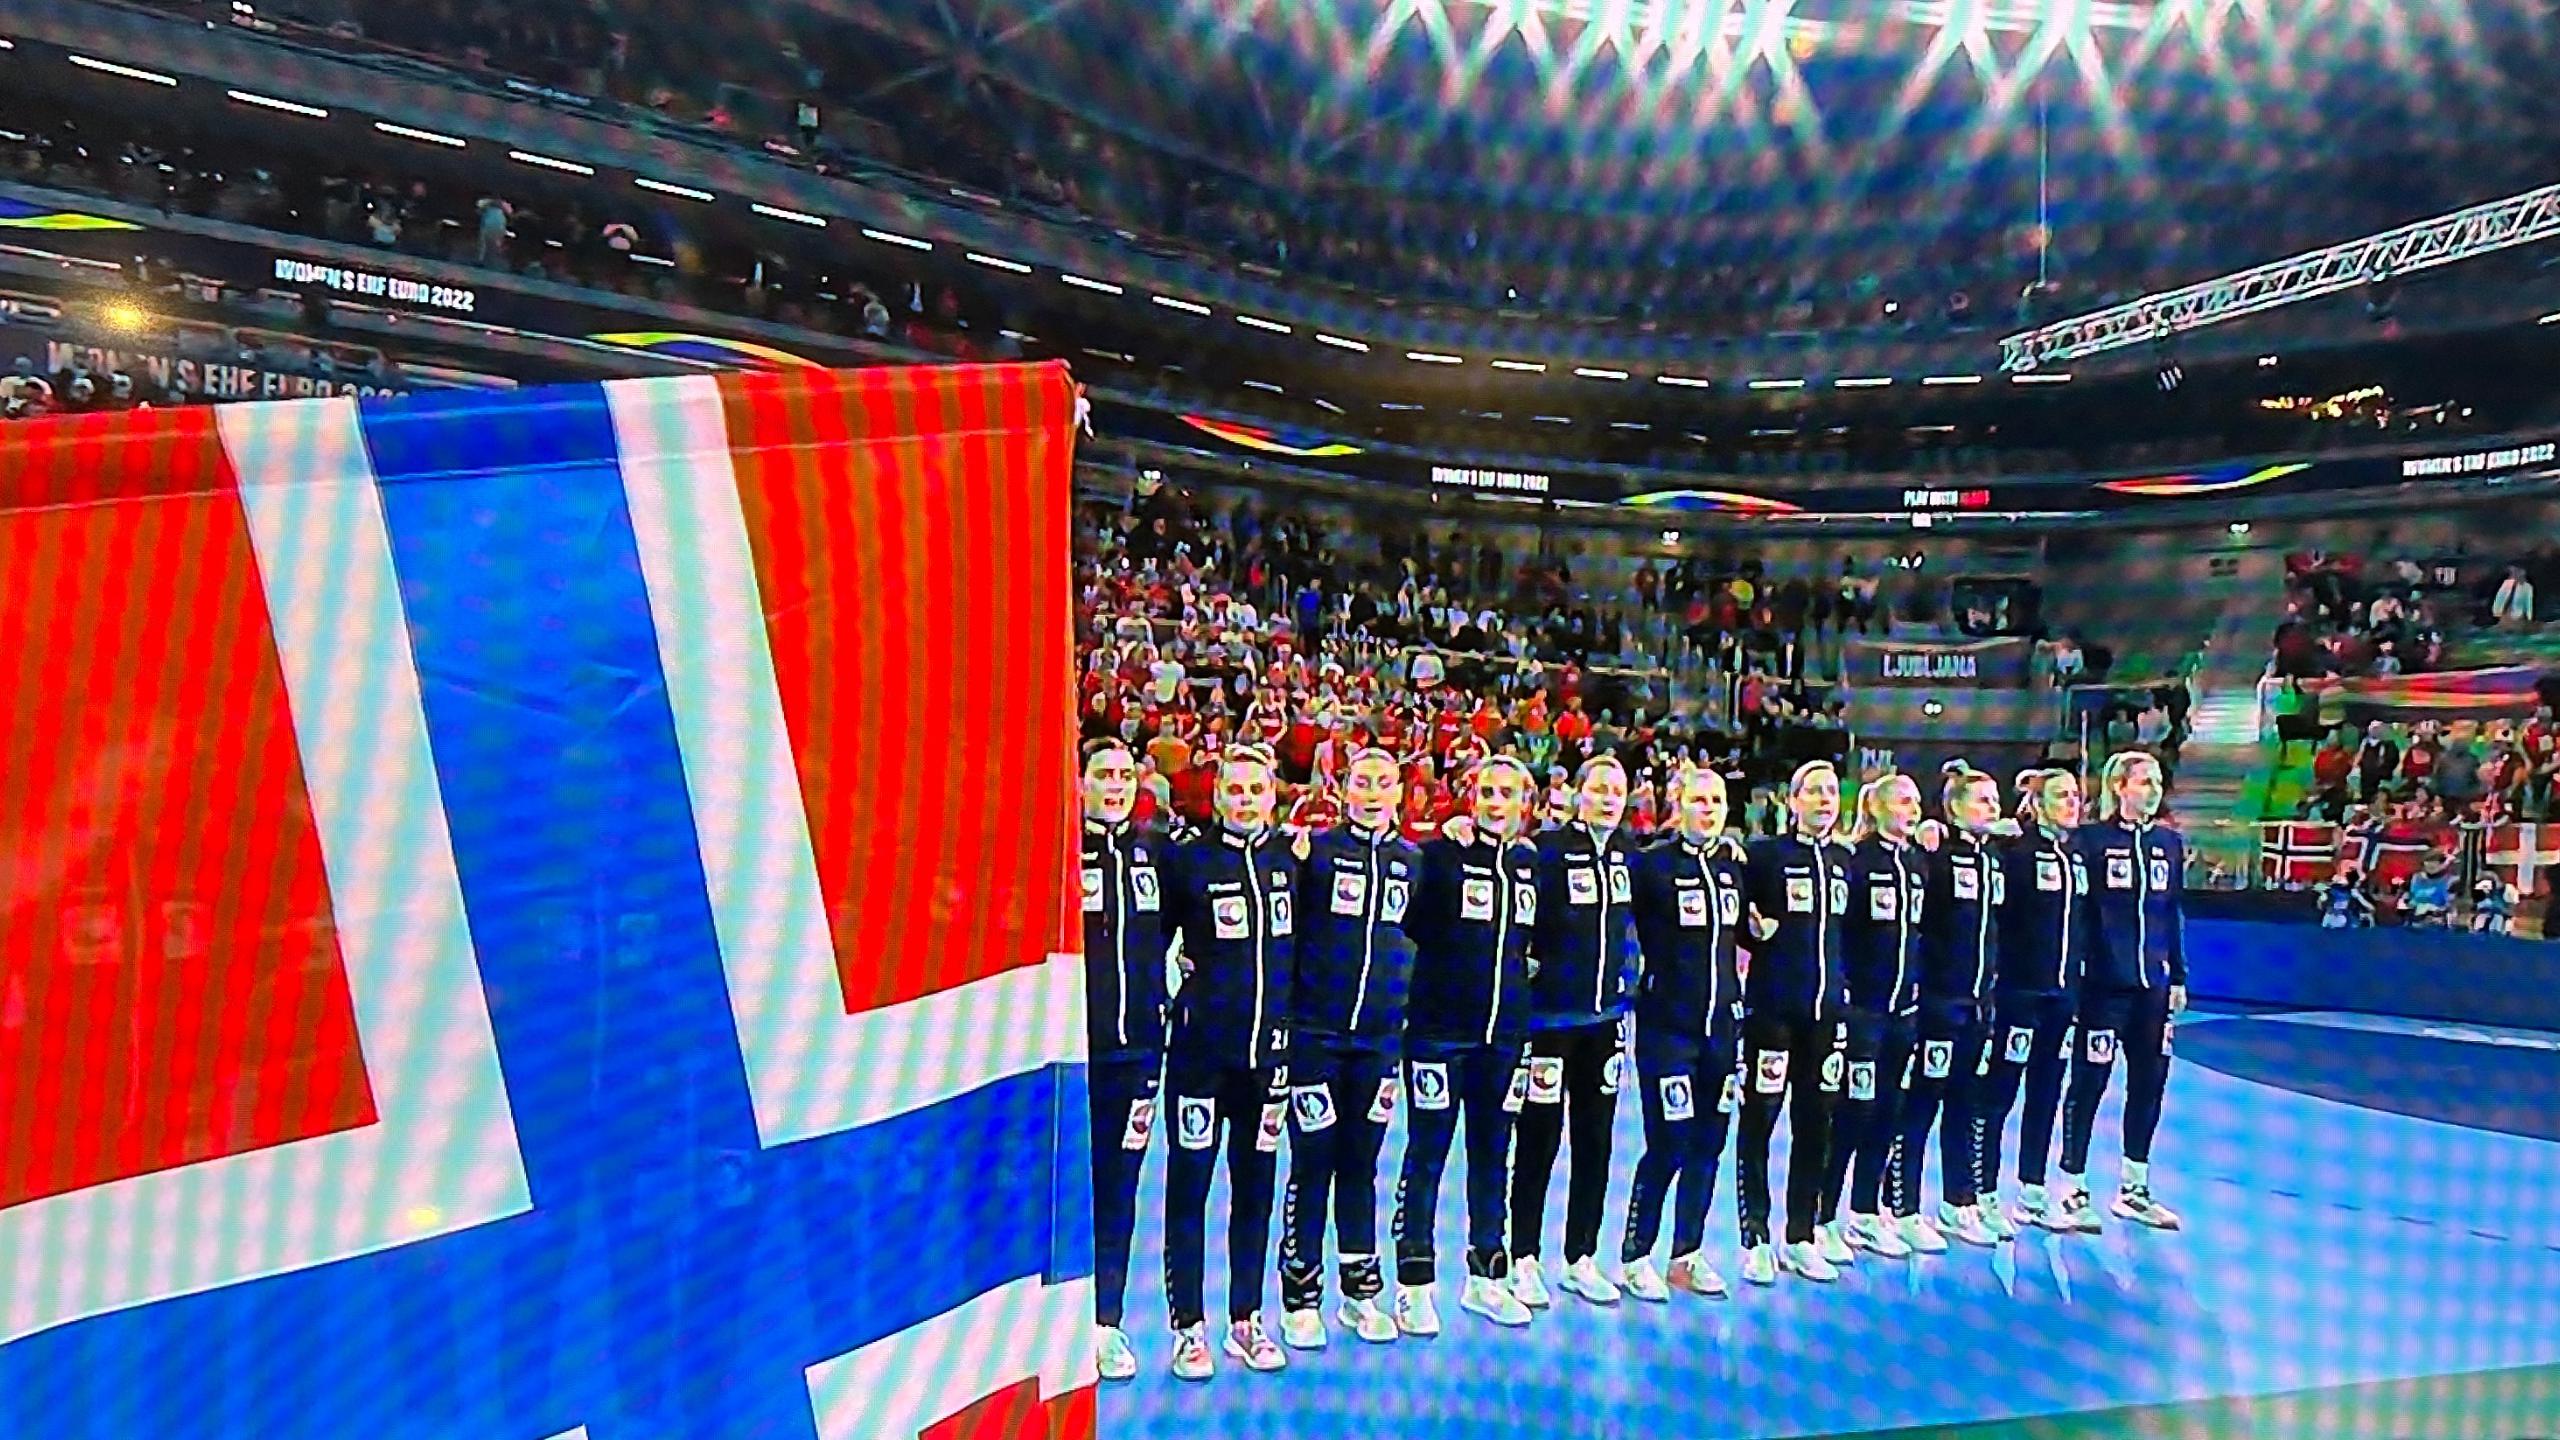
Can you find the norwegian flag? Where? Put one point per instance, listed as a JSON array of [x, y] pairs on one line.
[[2298, 853], [545, 914], [2394, 855]]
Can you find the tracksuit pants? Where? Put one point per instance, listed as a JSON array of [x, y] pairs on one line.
[[1574, 1077], [1954, 1068], [2137, 1025], [1869, 1113], [1343, 1091], [1249, 1102], [1689, 1094], [1800, 1063], [2029, 1033], [1121, 1093], [1487, 1084]]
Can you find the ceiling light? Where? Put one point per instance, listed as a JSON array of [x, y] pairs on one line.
[[109, 67], [662, 187], [796, 217], [407, 132], [269, 102], [572, 167]]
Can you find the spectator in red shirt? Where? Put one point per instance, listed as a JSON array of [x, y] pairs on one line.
[[2420, 763], [1573, 732]]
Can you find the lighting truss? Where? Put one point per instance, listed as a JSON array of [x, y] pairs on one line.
[[2422, 245]]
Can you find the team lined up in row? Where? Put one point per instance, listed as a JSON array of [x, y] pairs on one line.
[[1914, 974]]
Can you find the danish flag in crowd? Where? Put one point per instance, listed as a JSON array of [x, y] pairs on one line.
[[545, 914], [2522, 855]]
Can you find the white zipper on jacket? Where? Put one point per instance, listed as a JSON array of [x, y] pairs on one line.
[[1822, 916], [1261, 922], [1982, 922], [1600, 942], [1715, 927], [2062, 944], [1901, 927], [2141, 907], [1501, 939], [1119, 926], [1370, 913]]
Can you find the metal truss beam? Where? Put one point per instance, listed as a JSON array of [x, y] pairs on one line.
[[2423, 245]]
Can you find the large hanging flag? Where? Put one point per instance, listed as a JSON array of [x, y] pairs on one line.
[[545, 913]]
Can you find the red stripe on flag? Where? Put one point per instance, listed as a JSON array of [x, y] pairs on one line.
[[925, 664], [1018, 1413], [171, 986]]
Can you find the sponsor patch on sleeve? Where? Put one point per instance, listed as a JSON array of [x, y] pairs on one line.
[[1142, 1123], [1430, 1085], [1679, 1099], [1546, 1080], [1769, 1072], [1195, 1122]]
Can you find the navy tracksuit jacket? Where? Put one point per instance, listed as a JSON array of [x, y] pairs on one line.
[[2137, 952], [1959, 970], [2044, 947], [1688, 1009], [1466, 1022], [1233, 899], [1888, 898], [1124, 990], [1355, 970]]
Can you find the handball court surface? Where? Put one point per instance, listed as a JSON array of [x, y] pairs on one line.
[[2372, 1247]]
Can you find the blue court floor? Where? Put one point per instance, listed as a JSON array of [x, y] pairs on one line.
[[2364, 1199]]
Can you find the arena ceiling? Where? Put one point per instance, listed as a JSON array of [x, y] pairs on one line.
[[1777, 124]]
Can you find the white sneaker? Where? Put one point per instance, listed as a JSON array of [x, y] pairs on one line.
[[1833, 1247], [2025, 1214], [1694, 1274], [1117, 1361], [1583, 1278], [2136, 1204], [1368, 1320], [1303, 1329], [1805, 1258], [1995, 1218], [1494, 1301], [1644, 1281], [1760, 1263], [1967, 1223], [1191, 1357], [1872, 1232], [2077, 1214], [1529, 1284], [1250, 1343], [1418, 1310]]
